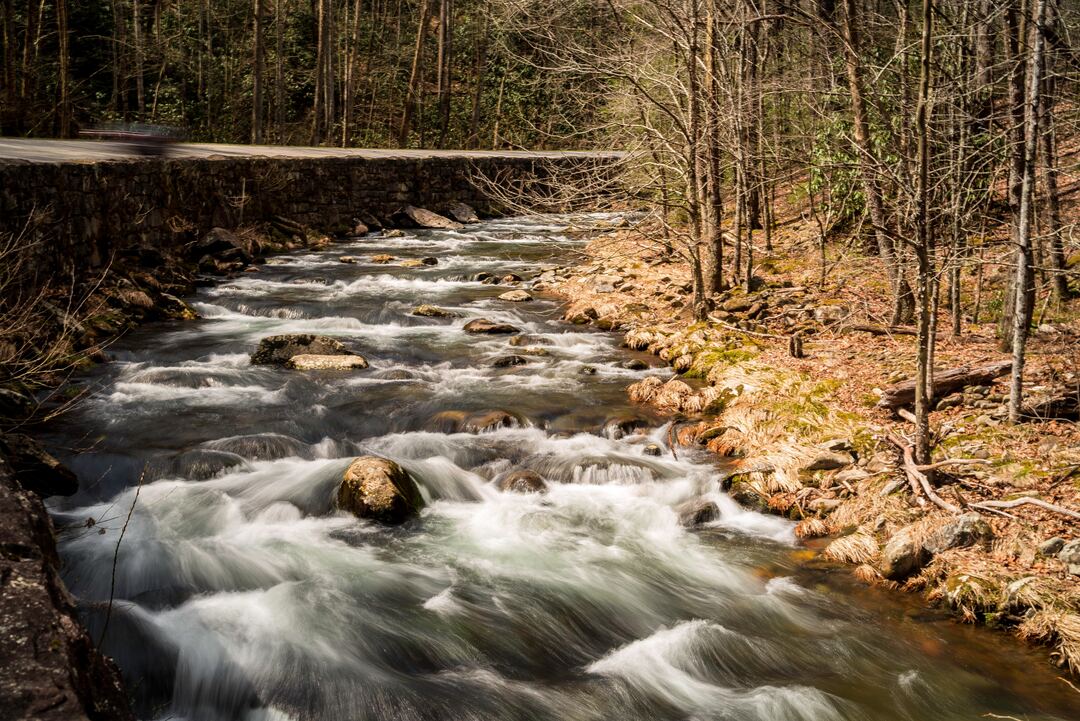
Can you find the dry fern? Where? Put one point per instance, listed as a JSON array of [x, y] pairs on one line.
[[859, 547]]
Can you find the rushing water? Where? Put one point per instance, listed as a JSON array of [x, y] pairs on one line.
[[241, 594]]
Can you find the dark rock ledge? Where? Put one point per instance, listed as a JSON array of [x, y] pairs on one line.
[[49, 666]]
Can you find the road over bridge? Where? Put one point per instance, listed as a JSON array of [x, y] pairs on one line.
[[81, 201]]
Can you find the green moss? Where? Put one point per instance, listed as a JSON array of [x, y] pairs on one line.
[[712, 355]]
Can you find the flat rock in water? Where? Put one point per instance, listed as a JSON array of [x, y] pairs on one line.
[[515, 296], [463, 213], [483, 325], [382, 258], [379, 489], [278, 349], [349, 259], [312, 362], [432, 311], [411, 263], [410, 215]]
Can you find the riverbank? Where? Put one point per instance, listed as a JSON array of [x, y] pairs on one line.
[[812, 444]]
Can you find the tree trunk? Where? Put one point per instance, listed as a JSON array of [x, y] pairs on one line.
[[446, 10], [137, 46], [280, 13], [63, 79], [1022, 314], [923, 248], [414, 75], [351, 65], [868, 165], [478, 87], [259, 59]]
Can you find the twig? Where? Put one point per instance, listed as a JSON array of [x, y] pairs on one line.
[[116, 557], [955, 462], [990, 505]]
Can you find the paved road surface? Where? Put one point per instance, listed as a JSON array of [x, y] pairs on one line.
[[59, 151]]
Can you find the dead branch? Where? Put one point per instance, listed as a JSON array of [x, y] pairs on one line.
[[991, 505], [917, 478]]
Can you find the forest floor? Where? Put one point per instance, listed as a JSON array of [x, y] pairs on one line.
[[811, 442]]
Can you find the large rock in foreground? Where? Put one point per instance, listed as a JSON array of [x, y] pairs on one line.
[[379, 489], [483, 325], [279, 349], [50, 668]]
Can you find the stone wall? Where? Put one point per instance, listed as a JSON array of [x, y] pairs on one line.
[[80, 213]]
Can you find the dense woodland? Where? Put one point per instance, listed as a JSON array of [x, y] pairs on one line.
[[921, 129]]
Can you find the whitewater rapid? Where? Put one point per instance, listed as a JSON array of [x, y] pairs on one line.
[[240, 593]]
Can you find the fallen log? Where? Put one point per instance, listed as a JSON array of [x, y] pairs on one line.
[[883, 330], [903, 394]]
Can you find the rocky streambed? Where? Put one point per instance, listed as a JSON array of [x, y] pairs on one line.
[[517, 539]]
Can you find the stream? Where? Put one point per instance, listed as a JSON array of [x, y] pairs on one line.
[[241, 594]]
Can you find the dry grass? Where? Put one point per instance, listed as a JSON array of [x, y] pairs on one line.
[[858, 548], [814, 528]]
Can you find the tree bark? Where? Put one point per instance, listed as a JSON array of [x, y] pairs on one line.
[[1023, 311], [924, 249], [259, 60], [414, 75]]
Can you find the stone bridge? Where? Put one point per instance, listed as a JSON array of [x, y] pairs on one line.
[[81, 201]]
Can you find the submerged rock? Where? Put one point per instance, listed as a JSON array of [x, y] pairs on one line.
[[431, 311], [622, 426], [516, 296], [492, 420], [697, 511], [278, 349], [474, 422], [652, 449], [635, 364], [521, 481], [483, 325], [313, 362], [348, 259], [379, 489], [509, 360]]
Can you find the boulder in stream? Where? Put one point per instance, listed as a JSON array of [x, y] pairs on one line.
[[462, 213], [516, 296], [412, 217], [379, 489], [315, 362], [490, 327], [521, 481], [622, 426], [432, 311], [508, 361], [278, 349], [697, 511]]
